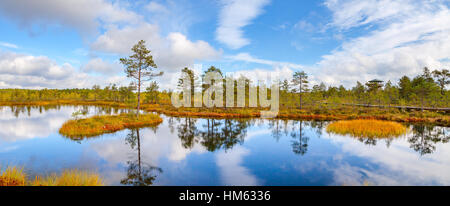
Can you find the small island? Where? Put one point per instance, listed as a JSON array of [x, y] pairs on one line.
[[98, 125], [367, 128]]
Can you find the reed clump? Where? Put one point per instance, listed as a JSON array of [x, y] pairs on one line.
[[12, 176], [15, 176], [99, 125], [367, 128], [69, 178]]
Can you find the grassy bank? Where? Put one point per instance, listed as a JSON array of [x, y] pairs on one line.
[[99, 125], [14, 176], [323, 112], [367, 128]]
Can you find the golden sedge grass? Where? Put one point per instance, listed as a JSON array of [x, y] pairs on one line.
[[14, 176], [99, 125], [367, 128], [69, 178]]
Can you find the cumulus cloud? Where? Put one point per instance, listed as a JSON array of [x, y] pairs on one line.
[[234, 15], [409, 35], [26, 65], [85, 15], [98, 65], [27, 71], [171, 53]]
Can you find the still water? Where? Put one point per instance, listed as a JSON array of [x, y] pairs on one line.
[[188, 151]]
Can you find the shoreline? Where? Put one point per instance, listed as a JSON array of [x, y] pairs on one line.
[[434, 118]]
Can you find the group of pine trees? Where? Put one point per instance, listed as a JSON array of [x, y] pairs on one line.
[[427, 89]]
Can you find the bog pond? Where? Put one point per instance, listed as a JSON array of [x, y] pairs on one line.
[[196, 151]]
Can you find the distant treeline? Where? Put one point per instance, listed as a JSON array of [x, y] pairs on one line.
[[425, 90], [111, 92]]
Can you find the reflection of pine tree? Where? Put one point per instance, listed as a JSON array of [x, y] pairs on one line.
[[187, 132], [138, 172], [211, 137], [276, 129], [425, 138], [224, 134], [233, 132], [368, 141], [300, 142], [318, 126]]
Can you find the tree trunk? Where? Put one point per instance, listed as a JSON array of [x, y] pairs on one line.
[[300, 95], [139, 152], [139, 95], [422, 103]]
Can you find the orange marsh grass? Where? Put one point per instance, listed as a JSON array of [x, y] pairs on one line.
[[69, 178], [367, 128], [14, 176], [99, 125]]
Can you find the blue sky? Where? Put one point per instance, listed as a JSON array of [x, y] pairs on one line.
[[77, 43]]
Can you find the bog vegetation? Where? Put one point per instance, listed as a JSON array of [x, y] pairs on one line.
[[367, 128], [97, 125], [14, 176]]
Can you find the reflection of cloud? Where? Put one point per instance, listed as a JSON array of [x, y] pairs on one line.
[[396, 165], [34, 125], [154, 147], [256, 133], [28, 127], [232, 172]]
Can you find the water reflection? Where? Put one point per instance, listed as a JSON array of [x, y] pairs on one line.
[[425, 138], [194, 151], [422, 138], [213, 134], [300, 142], [139, 173]]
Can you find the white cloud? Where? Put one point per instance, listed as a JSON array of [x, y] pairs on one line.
[[171, 53], [304, 26], [27, 71], [156, 7], [246, 57], [100, 66], [85, 15], [350, 13], [172, 15], [24, 65], [9, 45], [409, 35], [235, 15]]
